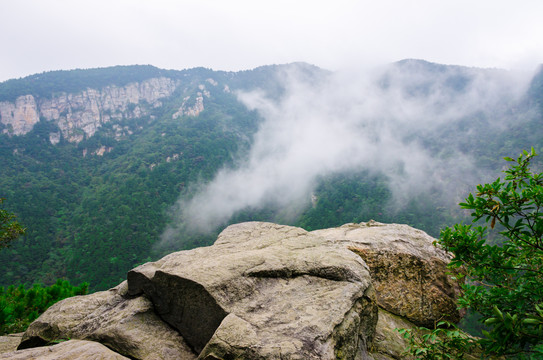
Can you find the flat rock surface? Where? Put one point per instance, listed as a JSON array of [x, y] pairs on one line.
[[10, 342]]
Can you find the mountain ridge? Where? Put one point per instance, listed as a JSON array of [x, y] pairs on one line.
[[86, 106]]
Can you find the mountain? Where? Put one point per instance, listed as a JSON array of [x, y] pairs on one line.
[[93, 161], [84, 169]]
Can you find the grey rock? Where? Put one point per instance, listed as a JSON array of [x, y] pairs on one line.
[[67, 350], [264, 291], [10, 342], [409, 273], [388, 342], [127, 325]]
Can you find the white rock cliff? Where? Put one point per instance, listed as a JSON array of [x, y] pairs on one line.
[[79, 115]]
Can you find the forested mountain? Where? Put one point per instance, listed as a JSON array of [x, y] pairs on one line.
[[93, 161]]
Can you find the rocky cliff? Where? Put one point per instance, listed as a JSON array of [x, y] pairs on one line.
[[262, 291], [79, 115]]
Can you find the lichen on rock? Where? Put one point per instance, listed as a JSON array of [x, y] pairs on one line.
[[409, 273]]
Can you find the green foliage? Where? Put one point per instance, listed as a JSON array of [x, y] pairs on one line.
[[92, 218], [504, 278], [20, 306], [444, 342], [506, 284], [361, 196], [10, 229], [344, 198]]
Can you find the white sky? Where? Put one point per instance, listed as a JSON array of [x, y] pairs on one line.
[[42, 35]]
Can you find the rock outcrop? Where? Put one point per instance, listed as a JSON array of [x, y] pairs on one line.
[[81, 114], [124, 324], [21, 116], [409, 273], [187, 110], [266, 291], [263, 291], [388, 343]]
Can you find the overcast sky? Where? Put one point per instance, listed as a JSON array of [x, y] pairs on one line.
[[42, 35]]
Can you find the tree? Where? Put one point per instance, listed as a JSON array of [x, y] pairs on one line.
[[20, 306], [504, 276], [10, 229]]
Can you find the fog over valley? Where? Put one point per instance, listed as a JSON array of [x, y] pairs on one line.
[[408, 121]]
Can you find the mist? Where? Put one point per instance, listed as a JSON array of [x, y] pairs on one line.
[[351, 120]]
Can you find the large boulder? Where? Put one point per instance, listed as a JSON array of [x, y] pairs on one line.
[[127, 325], [267, 291], [409, 273], [264, 291], [67, 350]]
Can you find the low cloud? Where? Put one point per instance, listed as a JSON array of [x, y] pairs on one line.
[[350, 121]]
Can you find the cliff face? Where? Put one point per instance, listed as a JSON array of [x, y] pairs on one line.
[[20, 116], [80, 115]]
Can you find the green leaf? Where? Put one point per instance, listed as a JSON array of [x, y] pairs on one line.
[[491, 321], [532, 321]]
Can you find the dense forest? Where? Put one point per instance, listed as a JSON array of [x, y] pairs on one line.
[[91, 218]]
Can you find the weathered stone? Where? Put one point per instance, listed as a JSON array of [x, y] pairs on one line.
[[10, 342], [409, 273], [264, 291], [67, 350], [388, 343], [127, 325]]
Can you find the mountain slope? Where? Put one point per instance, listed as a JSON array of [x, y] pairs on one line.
[[92, 161]]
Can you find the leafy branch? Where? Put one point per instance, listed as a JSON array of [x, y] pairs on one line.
[[505, 281]]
